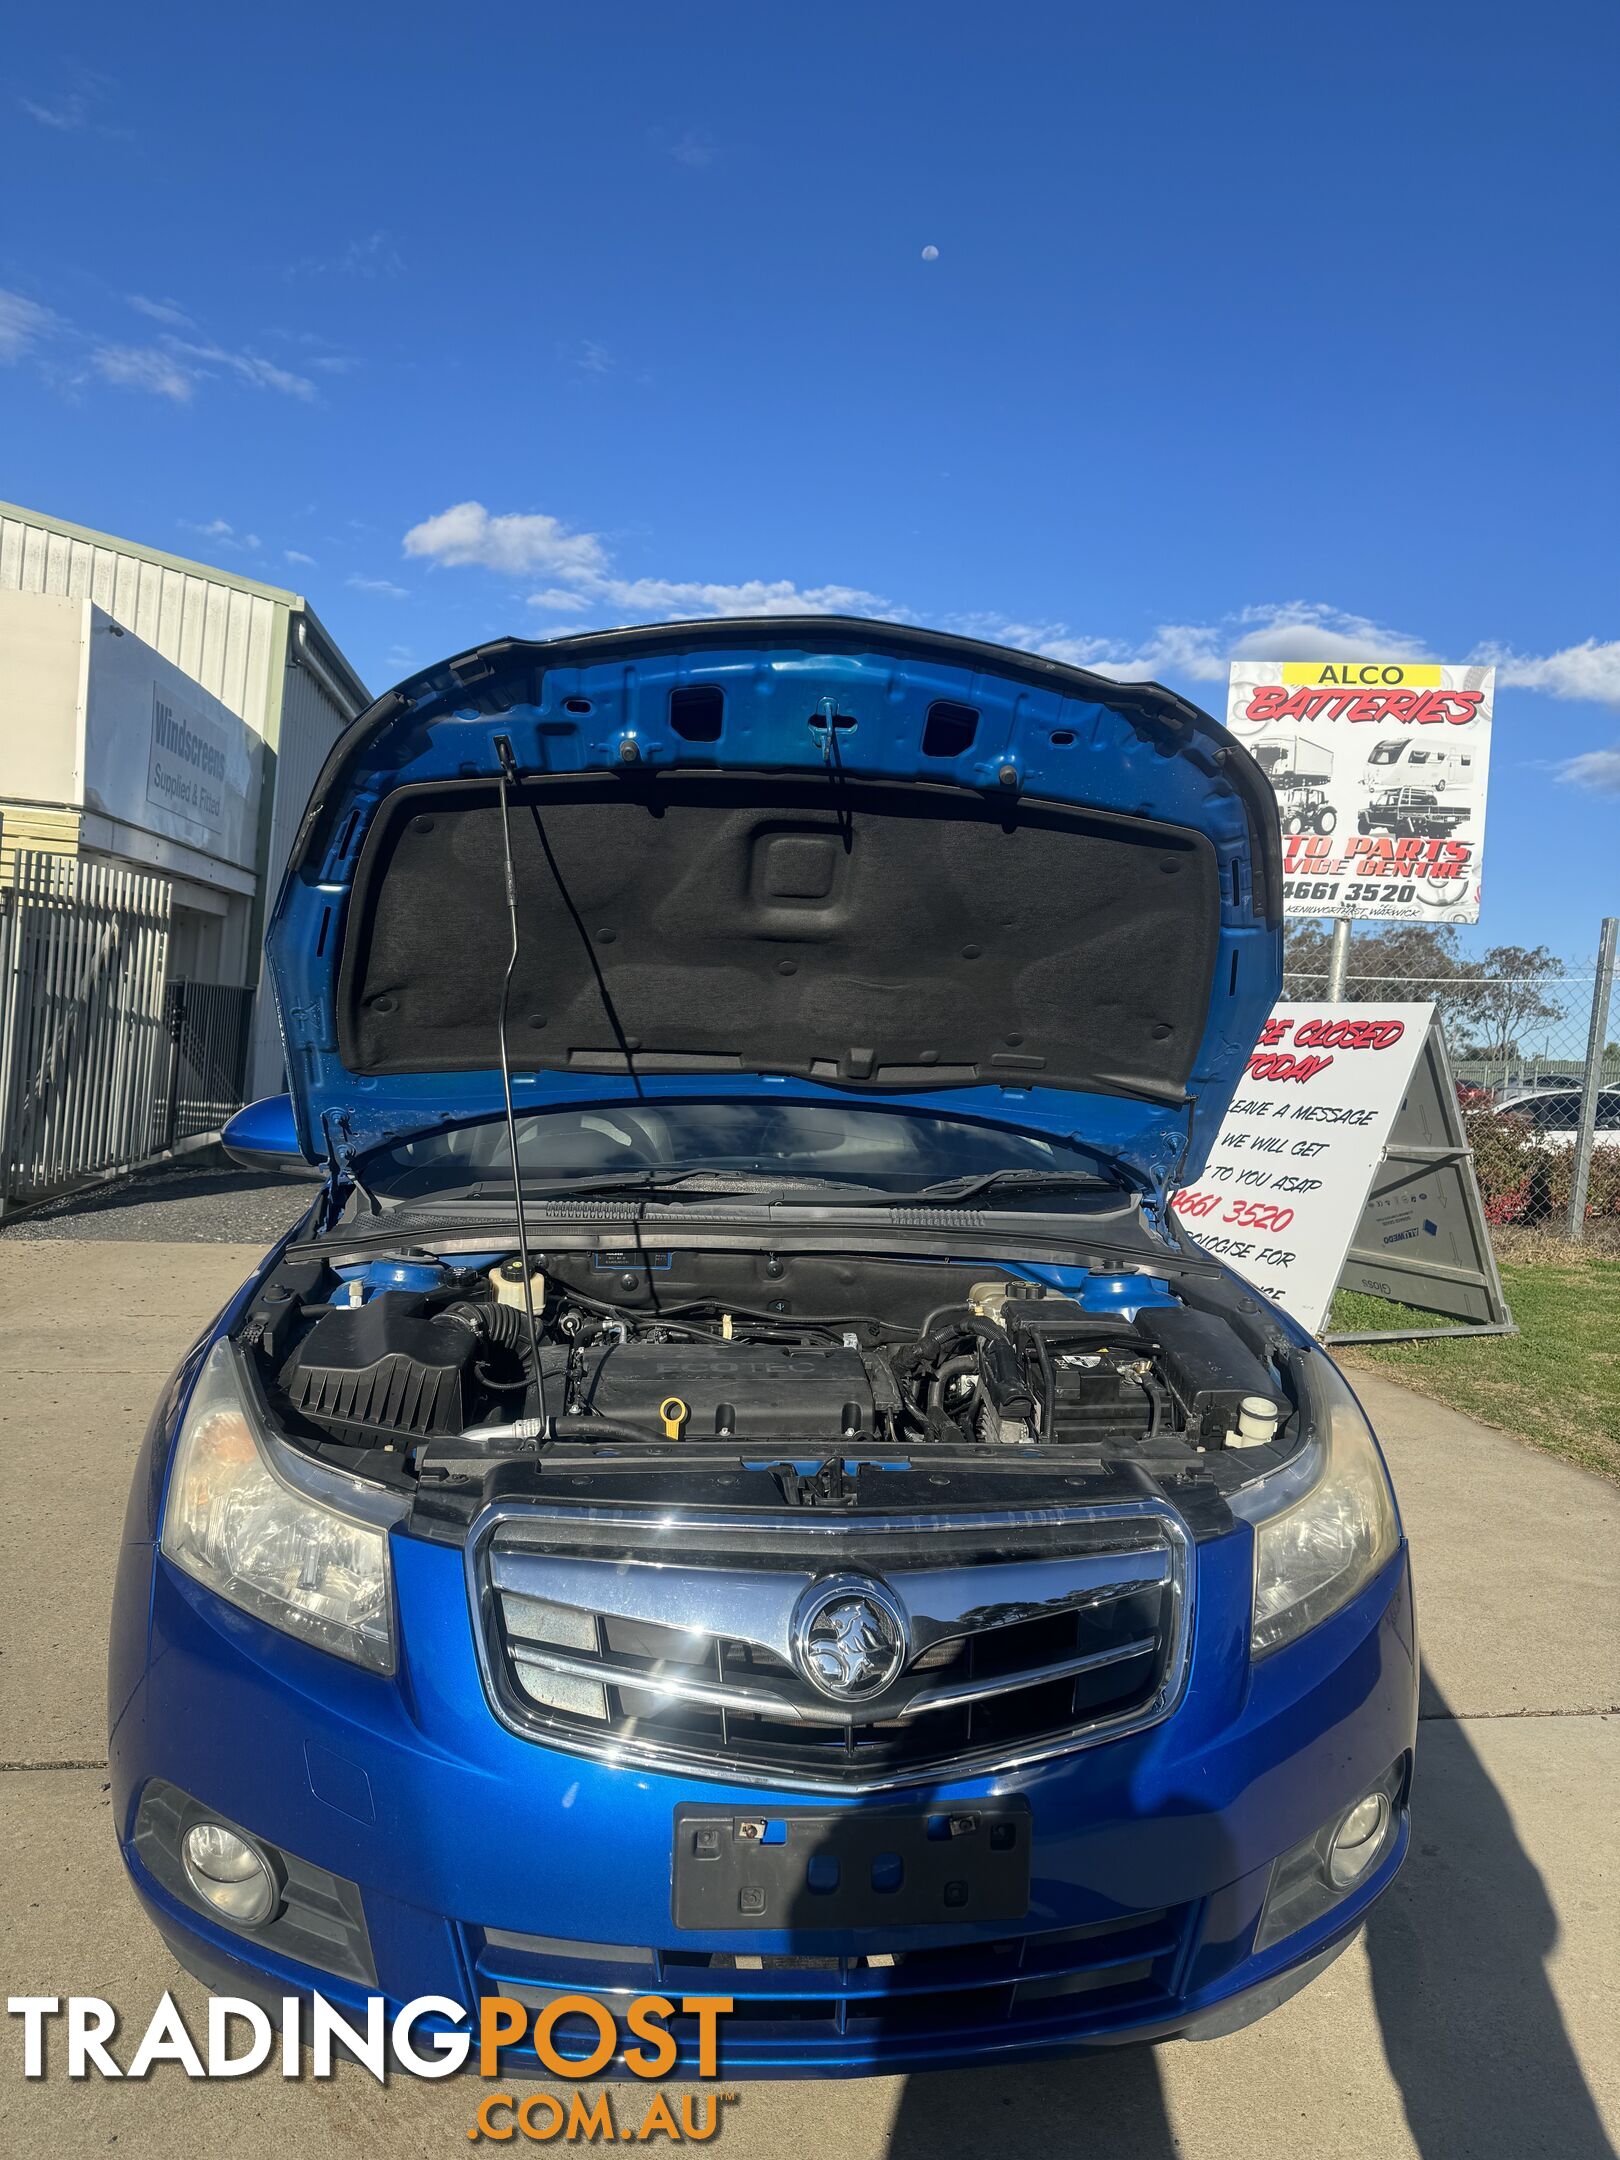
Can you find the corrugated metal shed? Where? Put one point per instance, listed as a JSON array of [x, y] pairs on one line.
[[219, 626], [260, 649]]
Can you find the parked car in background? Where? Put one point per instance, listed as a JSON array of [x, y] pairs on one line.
[[1553, 1113]]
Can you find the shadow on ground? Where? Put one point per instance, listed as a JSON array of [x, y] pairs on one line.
[[1470, 2027]]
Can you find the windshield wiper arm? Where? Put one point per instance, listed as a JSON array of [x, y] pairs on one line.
[[970, 1187]]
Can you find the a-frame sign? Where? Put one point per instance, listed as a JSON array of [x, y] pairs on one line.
[[1422, 1238]]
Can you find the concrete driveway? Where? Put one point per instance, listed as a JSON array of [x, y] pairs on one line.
[[1479, 2021]]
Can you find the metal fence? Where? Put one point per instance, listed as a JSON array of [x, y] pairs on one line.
[[209, 1028], [83, 947], [1537, 1063], [103, 1061]]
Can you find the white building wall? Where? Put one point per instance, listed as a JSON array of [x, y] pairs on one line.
[[42, 659], [240, 640]]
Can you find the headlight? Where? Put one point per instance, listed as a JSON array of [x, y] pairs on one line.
[[1322, 1527], [261, 1528]]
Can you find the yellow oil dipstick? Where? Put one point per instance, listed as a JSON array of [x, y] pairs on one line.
[[674, 1414]]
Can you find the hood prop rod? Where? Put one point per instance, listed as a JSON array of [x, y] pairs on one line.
[[509, 772]]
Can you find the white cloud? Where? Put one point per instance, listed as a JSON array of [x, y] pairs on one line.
[[694, 149], [385, 587], [298, 557], [168, 312], [1308, 630], [170, 367], [594, 359], [224, 534], [513, 542], [675, 599], [1300, 630], [1590, 670], [374, 256], [23, 322], [581, 568], [248, 367], [1596, 769], [1200, 652], [143, 367], [174, 366], [71, 111], [67, 112], [583, 577]]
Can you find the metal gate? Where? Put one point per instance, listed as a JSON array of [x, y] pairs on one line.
[[83, 947], [209, 1028]]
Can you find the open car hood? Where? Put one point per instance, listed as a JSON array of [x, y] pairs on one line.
[[835, 855]]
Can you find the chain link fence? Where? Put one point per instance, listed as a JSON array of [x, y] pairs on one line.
[[1534, 1046]]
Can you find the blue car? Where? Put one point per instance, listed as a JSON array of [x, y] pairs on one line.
[[739, 1487]]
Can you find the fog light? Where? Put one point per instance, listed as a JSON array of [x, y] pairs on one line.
[[1322, 1870], [1358, 1840], [229, 1874]]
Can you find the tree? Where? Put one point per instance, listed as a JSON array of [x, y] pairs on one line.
[[1401, 961], [1507, 996], [1381, 960], [1486, 1005]]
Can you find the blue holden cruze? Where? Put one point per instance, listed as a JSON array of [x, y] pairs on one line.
[[739, 1486]]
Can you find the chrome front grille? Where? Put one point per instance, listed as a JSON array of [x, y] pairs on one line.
[[672, 1640]]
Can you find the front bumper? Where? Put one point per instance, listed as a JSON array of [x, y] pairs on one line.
[[489, 1864]]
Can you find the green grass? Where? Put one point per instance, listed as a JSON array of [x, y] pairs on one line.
[[1555, 1384]]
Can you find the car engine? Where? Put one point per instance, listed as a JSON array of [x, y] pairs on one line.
[[780, 1352]]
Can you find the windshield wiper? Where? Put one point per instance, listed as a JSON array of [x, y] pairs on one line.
[[688, 1181], [971, 1186]]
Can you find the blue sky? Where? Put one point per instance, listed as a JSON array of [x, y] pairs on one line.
[[1250, 329]]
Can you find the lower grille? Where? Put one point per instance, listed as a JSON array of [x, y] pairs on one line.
[[1016, 1637], [1065, 1977]]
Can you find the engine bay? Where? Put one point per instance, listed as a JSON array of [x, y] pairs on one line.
[[388, 1363]]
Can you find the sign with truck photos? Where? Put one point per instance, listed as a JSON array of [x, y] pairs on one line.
[[1379, 767]]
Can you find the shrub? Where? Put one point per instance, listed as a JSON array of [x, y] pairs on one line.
[[1602, 1185], [1511, 1169]]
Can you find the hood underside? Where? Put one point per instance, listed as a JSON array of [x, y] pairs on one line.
[[835, 854]]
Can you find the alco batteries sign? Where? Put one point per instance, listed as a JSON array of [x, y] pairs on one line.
[[1379, 767]]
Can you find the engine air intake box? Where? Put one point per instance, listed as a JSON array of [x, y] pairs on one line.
[[390, 1366]]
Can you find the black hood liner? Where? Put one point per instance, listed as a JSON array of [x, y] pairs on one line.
[[893, 934]]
